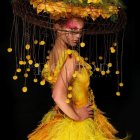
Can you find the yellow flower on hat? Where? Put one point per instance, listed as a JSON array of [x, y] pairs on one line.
[[94, 1]]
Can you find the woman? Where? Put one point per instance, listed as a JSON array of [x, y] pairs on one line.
[[75, 116]]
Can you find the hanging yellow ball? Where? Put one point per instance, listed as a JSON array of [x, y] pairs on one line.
[[118, 93], [15, 77], [67, 101], [9, 50], [109, 64], [112, 49], [28, 69], [18, 69], [103, 72], [97, 69], [35, 42], [25, 75], [69, 95], [108, 71], [20, 62], [42, 42], [117, 72], [27, 47], [121, 84], [70, 88], [24, 89], [93, 63], [42, 83], [28, 57], [30, 62], [36, 65], [82, 44], [35, 80], [100, 58], [24, 62]]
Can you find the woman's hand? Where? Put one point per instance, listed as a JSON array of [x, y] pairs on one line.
[[84, 112]]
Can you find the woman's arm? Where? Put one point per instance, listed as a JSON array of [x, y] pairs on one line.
[[60, 90]]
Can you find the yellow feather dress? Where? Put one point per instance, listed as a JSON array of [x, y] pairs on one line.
[[55, 125]]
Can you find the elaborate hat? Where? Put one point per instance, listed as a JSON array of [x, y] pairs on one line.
[[32, 34]]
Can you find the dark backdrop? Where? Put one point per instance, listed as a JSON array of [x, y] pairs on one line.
[[20, 113]]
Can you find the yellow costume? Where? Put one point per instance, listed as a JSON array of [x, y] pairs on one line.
[[55, 125]]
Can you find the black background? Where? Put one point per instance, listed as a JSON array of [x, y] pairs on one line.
[[20, 113]]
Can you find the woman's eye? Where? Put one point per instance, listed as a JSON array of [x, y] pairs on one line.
[[76, 32]]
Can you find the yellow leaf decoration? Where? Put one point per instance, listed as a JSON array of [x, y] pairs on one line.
[[93, 8]]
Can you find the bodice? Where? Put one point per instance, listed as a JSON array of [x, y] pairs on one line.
[[80, 80]]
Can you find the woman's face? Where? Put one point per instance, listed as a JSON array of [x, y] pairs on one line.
[[72, 31]]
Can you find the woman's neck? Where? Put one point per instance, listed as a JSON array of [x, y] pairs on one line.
[[60, 45]]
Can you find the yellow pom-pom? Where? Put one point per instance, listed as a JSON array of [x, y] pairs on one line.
[[112, 49], [93, 63], [67, 101], [27, 69], [30, 62], [9, 50], [28, 57], [117, 72], [50, 78], [35, 80], [121, 84], [36, 65], [118, 93], [24, 62], [42, 42], [69, 95], [20, 62], [69, 51], [42, 83], [18, 70], [108, 71], [100, 58], [70, 88], [15, 77], [82, 44], [25, 75], [24, 89], [109, 64], [97, 69], [103, 72], [27, 47], [35, 42]]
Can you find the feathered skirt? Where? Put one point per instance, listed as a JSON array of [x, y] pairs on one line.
[[57, 126]]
